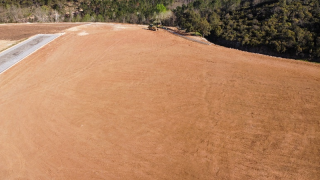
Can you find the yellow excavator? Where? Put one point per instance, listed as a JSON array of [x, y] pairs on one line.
[[153, 27]]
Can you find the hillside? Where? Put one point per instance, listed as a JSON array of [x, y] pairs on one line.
[[133, 11], [117, 101], [287, 28]]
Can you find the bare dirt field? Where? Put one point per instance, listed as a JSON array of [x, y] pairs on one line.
[[22, 31], [12, 33], [112, 101]]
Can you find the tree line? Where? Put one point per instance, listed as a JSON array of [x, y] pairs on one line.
[[126, 11], [289, 27]]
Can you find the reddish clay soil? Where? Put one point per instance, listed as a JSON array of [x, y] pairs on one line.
[[110, 101], [22, 31]]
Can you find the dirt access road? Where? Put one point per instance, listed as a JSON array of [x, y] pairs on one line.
[[111, 101]]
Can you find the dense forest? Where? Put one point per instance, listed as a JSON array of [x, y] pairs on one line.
[[129, 11], [288, 28]]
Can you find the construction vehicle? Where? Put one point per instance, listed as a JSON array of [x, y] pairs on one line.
[[158, 24], [153, 27]]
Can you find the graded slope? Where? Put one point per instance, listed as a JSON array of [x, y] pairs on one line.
[[111, 101]]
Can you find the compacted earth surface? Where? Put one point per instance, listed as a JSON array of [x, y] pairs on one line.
[[11, 34], [115, 101]]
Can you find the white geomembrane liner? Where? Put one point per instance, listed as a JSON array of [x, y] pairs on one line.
[[15, 54]]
